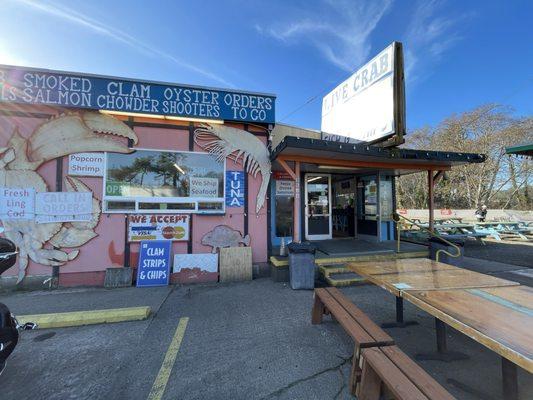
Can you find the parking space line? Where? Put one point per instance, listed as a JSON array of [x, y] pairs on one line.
[[160, 383]]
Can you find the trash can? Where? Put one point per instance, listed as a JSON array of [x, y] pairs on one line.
[[302, 265], [436, 244]]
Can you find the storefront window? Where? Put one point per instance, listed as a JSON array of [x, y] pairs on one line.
[[385, 198], [284, 196], [371, 200], [162, 181]]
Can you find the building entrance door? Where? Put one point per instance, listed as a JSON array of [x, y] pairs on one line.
[[318, 224]]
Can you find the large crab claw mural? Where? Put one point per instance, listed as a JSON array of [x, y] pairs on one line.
[[242, 147], [57, 137]]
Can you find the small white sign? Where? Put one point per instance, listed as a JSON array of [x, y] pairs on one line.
[[206, 262], [402, 286], [17, 203], [63, 207], [284, 188], [86, 164], [203, 187]]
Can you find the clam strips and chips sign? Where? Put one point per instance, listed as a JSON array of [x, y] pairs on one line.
[[171, 227], [67, 89]]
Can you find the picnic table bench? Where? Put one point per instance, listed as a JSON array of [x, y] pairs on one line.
[[372, 372], [390, 369], [499, 229], [495, 312]]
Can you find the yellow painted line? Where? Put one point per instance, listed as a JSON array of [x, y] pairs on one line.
[[160, 383], [78, 318]]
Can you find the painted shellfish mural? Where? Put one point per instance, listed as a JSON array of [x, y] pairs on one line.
[[240, 146], [62, 135]]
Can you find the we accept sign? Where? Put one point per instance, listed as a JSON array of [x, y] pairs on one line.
[[154, 263]]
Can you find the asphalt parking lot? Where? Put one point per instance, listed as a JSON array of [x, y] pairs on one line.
[[249, 340]]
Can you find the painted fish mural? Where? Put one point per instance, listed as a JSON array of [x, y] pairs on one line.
[[224, 236]]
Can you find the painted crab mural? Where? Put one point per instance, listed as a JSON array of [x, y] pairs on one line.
[[19, 160], [224, 141]]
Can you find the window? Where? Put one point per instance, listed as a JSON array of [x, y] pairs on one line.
[[162, 181]]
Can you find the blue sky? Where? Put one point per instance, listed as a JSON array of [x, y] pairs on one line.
[[458, 54]]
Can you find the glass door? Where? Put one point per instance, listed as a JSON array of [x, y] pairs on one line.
[[318, 224]]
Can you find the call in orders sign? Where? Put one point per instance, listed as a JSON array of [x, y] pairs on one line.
[[171, 227], [154, 263]]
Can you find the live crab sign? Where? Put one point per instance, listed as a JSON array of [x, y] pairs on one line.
[[67, 89]]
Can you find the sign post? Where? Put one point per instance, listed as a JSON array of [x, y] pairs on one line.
[[154, 263]]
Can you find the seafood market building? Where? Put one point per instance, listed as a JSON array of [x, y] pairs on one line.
[[91, 166]]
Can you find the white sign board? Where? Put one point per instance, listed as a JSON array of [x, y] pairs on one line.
[[284, 188], [207, 262], [17, 203], [203, 187], [173, 227], [63, 207], [361, 109], [86, 164]]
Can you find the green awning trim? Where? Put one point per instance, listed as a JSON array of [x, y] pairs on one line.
[[523, 150]]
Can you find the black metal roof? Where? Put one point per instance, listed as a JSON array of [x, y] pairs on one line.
[[291, 145]]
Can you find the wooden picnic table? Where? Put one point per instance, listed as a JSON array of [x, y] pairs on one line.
[[396, 276], [404, 277], [499, 318]]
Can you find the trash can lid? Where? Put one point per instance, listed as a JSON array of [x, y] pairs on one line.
[[454, 240], [304, 247]]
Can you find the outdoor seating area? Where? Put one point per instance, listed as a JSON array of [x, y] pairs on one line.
[[456, 229], [481, 306]]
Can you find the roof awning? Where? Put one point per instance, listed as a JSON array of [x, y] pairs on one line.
[[525, 149], [317, 155]]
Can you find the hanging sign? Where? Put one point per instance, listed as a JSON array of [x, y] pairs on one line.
[[171, 227], [284, 188], [86, 164], [281, 175], [67, 89], [154, 263], [235, 189], [203, 187], [17, 203], [63, 207]]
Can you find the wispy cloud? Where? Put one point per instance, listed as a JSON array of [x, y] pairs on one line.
[[429, 35], [340, 30], [98, 27]]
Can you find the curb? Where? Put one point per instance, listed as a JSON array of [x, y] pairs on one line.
[[79, 318]]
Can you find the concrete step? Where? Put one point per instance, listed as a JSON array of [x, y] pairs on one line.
[[344, 279]]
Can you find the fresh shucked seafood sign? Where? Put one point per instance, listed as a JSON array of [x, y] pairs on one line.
[[173, 227], [66, 89]]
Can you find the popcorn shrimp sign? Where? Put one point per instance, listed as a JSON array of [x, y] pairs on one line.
[[172, 227]]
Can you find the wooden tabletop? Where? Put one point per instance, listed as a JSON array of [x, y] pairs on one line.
[[499, 318], [398, 266], [425, 275]]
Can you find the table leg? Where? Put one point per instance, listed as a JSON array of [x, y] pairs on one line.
[[400, 323], [510, 380], [442, 353]]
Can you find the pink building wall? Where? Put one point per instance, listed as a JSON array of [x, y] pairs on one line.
[[108, 248]]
